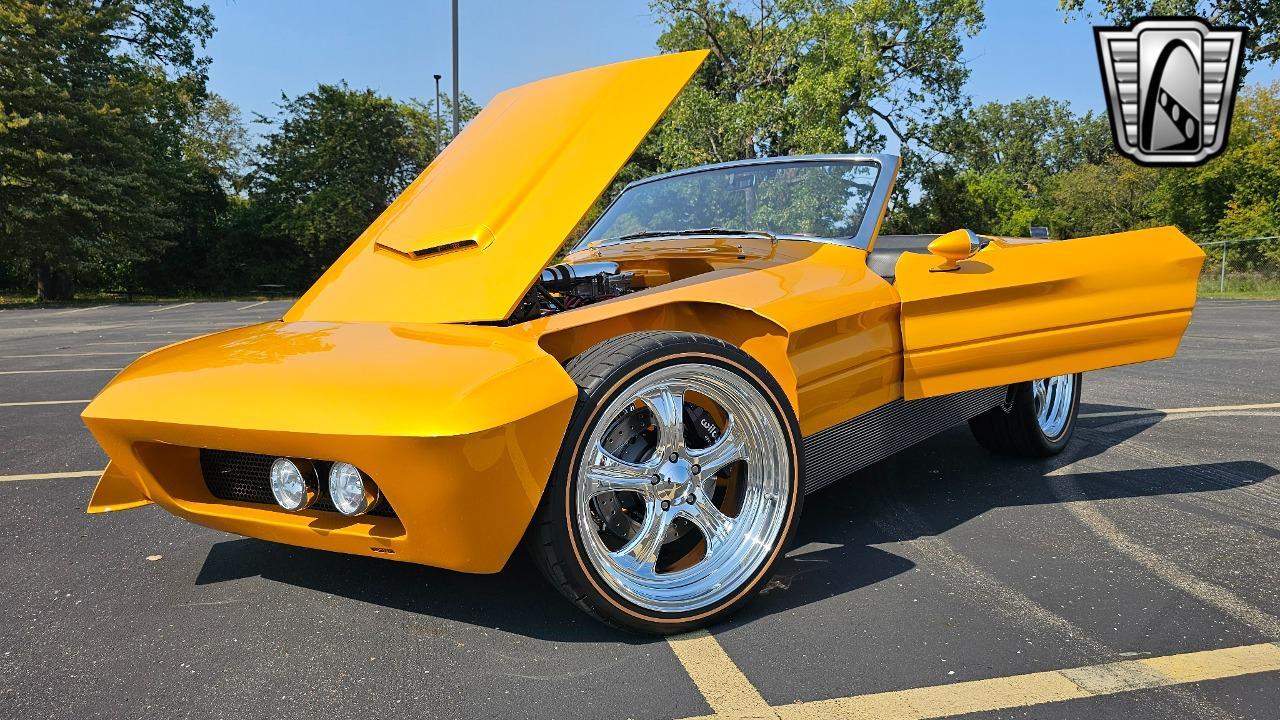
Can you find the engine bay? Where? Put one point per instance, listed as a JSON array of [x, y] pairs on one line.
[[567, 286]]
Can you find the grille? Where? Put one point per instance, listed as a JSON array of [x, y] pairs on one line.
[[246, 477]]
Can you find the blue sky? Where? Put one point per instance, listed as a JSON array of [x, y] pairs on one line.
[[263, 48]]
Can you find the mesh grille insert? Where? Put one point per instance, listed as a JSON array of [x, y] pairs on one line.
[[246, 477]]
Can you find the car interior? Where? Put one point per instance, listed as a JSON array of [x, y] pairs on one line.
[[888, 248]]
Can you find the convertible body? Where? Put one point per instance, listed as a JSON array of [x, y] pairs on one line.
[[423, 357]]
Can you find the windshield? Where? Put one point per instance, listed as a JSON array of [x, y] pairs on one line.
[[824, 199]]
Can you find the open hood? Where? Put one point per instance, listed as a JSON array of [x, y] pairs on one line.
[[466, 240]]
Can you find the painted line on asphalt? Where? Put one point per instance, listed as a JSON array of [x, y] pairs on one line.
[[62, 370], [125, 342], [74, 354], [44, 402], [1070, 496], [170, 307], [248, 307], [51, 476], [1028, 690], [1175, 411], [80, 310], [723, 685]]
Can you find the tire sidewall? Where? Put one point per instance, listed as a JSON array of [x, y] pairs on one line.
[[562, 487]]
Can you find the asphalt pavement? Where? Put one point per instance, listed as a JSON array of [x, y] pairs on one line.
[[1135, 575]]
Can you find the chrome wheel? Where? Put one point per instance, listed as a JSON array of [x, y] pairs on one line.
[[1053, 398], [682, 487]]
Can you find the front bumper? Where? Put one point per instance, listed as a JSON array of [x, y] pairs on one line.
[[459, 426]]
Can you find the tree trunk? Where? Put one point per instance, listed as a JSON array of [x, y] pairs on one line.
[[52, 284]]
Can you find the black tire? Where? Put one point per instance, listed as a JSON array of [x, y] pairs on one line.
[[554, 539], [1017, 431]]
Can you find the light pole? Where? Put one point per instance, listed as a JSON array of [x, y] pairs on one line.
[[437, 77], [455, 68]]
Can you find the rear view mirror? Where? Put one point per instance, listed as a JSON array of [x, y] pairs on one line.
[[953, 247]]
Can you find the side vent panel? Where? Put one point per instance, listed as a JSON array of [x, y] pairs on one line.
[[840, 451]]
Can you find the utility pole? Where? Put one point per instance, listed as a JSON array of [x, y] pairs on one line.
[[455, 68], [438, 148]]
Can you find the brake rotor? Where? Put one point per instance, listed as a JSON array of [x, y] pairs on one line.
[[632, 439]]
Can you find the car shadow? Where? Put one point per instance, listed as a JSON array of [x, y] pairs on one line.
[[946, 481]]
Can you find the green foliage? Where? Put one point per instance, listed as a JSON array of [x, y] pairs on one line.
[[217, 143], [812, 76], [1260, 17], [119, 170], [1030, 139], [93, 98], [335, 159], [1111, 196], [1032, 162], [1235, 194]]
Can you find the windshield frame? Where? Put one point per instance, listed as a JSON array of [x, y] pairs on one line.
[[864, 239]]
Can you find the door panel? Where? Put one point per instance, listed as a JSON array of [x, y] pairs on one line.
[[1021, 310]]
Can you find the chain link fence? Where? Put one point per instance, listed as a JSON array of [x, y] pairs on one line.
[[1241, 267]]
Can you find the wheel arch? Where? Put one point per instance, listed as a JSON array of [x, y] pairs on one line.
[[763, 339]]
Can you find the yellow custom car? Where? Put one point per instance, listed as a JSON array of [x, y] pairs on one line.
[[647, 415]]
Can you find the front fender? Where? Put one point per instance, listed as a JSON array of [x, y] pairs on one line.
[[458, 425]]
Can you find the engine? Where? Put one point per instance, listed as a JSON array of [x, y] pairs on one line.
[[565, 287]]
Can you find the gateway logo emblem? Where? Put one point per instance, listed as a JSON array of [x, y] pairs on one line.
[[1170, 85]]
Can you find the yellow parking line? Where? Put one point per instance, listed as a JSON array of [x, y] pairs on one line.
[[1001, 693], [718, 678], [1175, 411], [51, 476], [44, 402]]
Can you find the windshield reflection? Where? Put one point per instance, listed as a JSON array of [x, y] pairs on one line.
[[818, 199]]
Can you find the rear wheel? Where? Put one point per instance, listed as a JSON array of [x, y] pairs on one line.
[[1038, 422], [677, 485]]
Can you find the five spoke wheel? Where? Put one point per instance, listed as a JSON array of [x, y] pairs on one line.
[[681, 488], [677, 486]]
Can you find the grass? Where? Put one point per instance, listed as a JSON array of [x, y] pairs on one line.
[[1241, 286]]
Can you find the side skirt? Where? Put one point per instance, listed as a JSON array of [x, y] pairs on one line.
[[843, 449]]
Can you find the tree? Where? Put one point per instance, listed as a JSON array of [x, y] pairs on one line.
[[994, 164], [810, 76], [1112, 196], [1260, 17], [93, 98], [992, 202], [336, 159], [217, 142], [1235, 194], [1030, 139]]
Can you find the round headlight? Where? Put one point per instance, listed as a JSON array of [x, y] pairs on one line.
[[293, 483], [351, 492]]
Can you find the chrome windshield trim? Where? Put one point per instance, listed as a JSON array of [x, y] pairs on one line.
[[871, 219]]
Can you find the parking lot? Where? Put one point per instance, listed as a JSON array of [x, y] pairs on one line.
[[1134, 576]]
